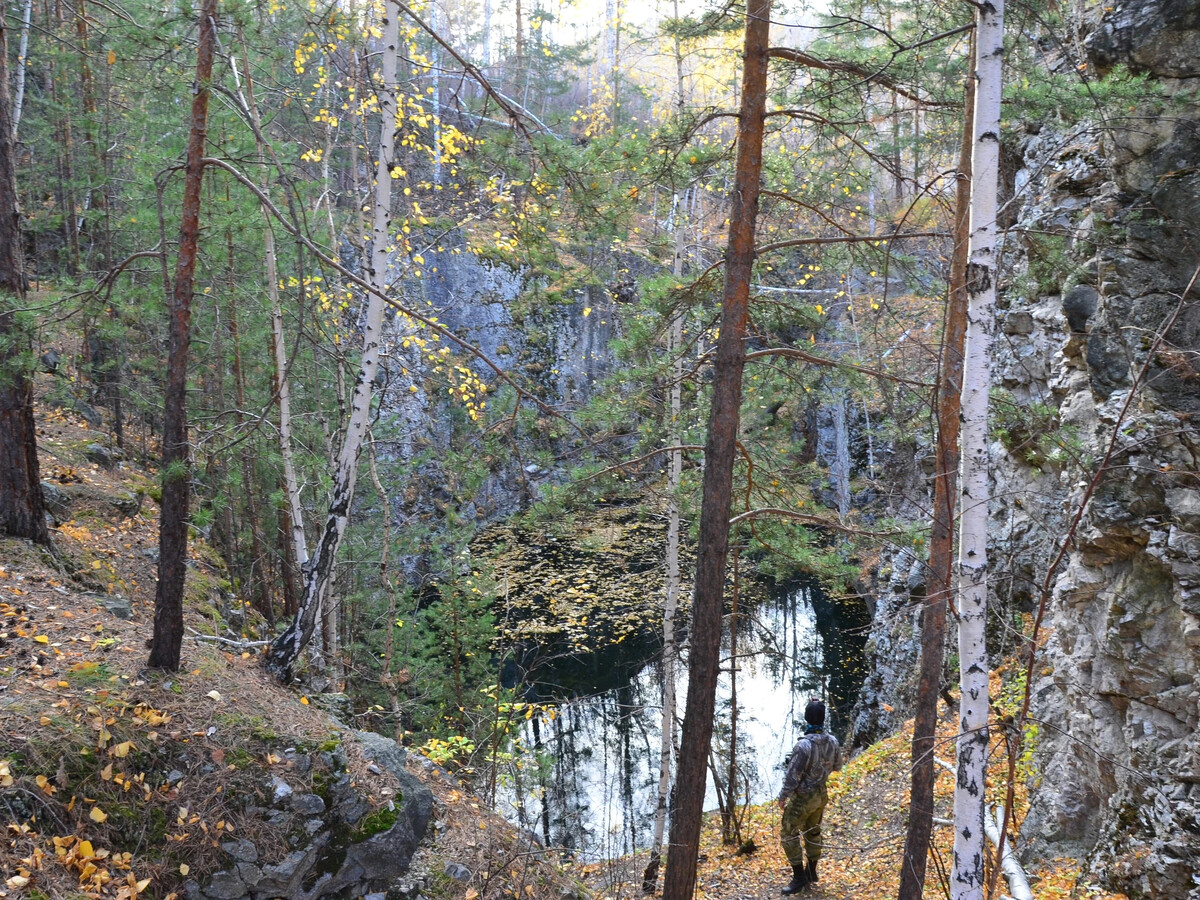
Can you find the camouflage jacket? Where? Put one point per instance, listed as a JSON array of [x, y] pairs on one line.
[[813, 758]]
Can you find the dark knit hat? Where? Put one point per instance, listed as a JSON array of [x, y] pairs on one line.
[[814, 713]]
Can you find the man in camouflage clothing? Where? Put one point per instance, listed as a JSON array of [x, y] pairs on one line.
[[803, 796]]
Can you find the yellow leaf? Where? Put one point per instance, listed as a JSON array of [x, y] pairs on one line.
[[42, 639], [84, 848], [471, 894], [106, 773], [122, 750], [112, 57], [184, 868], [95, 563], [304, 700], [97, 815], [143, 884]]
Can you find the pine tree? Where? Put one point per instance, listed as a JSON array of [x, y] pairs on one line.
[[719, 452], [22, 513], [176, 463]]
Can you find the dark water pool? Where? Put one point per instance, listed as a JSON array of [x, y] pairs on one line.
[[587, 771]]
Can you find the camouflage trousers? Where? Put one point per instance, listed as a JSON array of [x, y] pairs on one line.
[[800, 829]]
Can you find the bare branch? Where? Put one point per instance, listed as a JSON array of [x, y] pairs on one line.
[[808, 61], [796, 353], [850, 239], [807, 519]]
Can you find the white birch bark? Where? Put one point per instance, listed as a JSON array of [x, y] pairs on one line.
[[283, 390], [486, 56], [288, 646], [436, 98], [967, 879], [675, 476], [22, 65]]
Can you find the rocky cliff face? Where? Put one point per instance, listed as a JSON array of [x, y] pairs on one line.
[[1098, 361], [1113, 348], [555, 346]]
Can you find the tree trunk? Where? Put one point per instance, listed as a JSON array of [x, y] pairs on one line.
[[731, 832], [257, 585], [296, 548], [286, 649], [967, 880], [172, 538], [519, 61], [720, 449], [390, 682], [941, 539], [22, 65], [22, 511], [670, 650]]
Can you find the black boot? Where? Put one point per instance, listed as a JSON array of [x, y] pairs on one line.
[[799, 880], [812, 871]]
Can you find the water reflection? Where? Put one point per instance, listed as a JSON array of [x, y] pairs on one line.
[[590, 773]]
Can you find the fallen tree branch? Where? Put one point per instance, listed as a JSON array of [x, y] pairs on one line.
[[1018, 884], [229, 642]]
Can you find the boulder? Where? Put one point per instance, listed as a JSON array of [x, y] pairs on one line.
[[58, 504], [104, 457]]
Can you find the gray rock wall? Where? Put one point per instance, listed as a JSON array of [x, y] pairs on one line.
[[555, 347], [1107, 241], [1117, 694]]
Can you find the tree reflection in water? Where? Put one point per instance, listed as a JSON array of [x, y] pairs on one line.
[[588, 777]]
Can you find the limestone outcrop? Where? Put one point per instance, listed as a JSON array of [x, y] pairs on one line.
[[1097, 470], [1111, 349]]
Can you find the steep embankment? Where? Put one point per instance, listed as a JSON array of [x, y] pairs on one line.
[[213, 783]]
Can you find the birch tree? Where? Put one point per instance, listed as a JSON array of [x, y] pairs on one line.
[[674, 480], [967, 880], [297, 548], [22, 65], [941, 538], [287, 647], [671, 602]]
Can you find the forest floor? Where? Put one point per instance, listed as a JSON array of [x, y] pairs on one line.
[[120, 782], [863, 834]]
